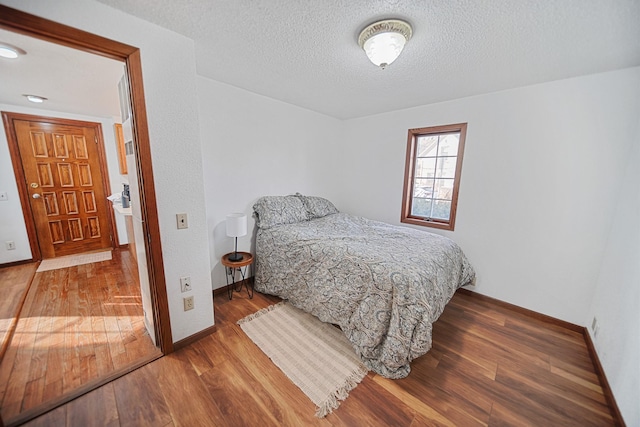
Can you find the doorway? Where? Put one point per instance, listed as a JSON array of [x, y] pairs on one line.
[[17, 21], [60, 164]]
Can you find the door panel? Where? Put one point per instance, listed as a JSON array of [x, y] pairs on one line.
[[62, 170]]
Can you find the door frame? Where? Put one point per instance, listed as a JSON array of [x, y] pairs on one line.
[[16, 159], [34, 26]]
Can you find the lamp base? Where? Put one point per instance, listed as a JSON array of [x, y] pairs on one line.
[[235, 257]]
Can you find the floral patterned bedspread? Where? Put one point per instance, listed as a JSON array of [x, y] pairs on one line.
[[384, 285]]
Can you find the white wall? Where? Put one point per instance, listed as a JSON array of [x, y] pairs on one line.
[[547, 214], [254, 146], [616, 304], [170, 91], [541, 174], [12, 225]]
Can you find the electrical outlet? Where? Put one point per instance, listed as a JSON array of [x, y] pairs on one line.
[[10, 245], [188, 303], [185, 283], [182, 221], [4, 196]]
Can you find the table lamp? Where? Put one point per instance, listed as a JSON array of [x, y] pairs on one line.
[[236, 227]]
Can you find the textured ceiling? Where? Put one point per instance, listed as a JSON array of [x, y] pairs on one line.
[[305, 52]]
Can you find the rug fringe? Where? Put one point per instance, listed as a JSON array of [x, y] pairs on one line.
[[259, 313], [335, 398]]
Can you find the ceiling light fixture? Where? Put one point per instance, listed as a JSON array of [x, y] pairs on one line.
[[383, 40], [7, 52], [10, 52], [35, 98]]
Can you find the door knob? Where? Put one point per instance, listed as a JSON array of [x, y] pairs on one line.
[[36, 196]]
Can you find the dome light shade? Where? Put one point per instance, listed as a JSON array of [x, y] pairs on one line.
[[383, 41]]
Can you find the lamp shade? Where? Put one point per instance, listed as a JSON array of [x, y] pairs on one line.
[[236, 225]]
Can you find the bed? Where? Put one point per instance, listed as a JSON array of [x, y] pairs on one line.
[[383, 285]]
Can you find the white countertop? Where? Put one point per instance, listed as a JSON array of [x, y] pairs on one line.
[[122, 211]]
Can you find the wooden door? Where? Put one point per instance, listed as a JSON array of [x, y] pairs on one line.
[[63, 175]]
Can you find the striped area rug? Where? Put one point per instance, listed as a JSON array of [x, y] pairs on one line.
[[73, 260], [315, 356]]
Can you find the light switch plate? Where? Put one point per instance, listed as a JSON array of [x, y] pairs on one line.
[[4, 196]]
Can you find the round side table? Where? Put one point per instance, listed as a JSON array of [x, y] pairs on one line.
[[231, 267]]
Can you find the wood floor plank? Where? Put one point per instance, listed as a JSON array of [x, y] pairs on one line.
[[442, 414], [489, 366], [85, 344], [230, 385], [6, 368], [231, 342], [464, 385], [202, 360], [14, 283], [140, 401], [19, 373], [577, 374], [57, 417], [71, 361], [562, 347], [187, 398], [557, 403], [509, 346], [368, 404], [96, 408], [54, 349], [502, 416], [476, 349], [564, 384], [59, 304], [475, 314]]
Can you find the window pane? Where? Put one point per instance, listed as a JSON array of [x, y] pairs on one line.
[[443, 189], [425, 168], [449, 144], [434, 155], [427, 146], [446, 167], [421, 207], [441, 209], [423, 188]]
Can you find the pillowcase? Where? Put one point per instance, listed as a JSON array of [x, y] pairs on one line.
[[276, 210], [317, 207]]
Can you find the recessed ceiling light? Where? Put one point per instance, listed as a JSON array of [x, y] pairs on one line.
[[35, 98], [10, 52], [7, 52]]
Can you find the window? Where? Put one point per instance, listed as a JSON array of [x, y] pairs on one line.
[[432, 175]]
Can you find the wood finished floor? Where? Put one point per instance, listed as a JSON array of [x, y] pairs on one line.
[[77, 324], [489, 366], [14, 282]]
